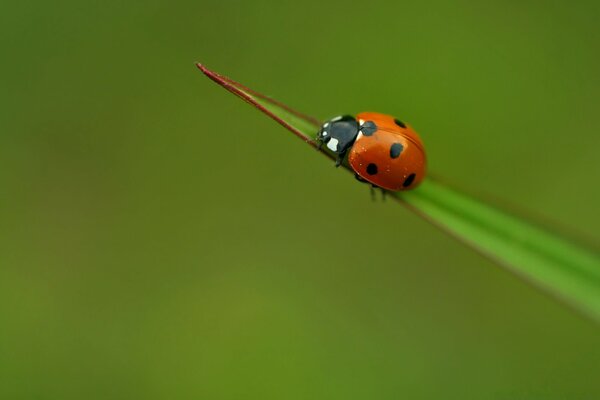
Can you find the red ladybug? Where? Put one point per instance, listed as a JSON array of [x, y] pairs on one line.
[[381, 149]]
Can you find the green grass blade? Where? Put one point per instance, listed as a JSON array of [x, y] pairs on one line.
[[564, 269]]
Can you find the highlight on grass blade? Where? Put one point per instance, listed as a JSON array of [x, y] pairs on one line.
[[566, 270]]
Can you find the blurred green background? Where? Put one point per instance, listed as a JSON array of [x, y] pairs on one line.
[[163, 240]]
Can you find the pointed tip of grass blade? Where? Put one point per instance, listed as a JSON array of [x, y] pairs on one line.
[[264, 103], [215, 76], [211, 74], [202, 68]]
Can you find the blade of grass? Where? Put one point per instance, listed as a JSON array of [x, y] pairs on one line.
[[562, 268]]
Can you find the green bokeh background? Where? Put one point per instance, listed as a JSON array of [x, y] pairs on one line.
[[162, 240]]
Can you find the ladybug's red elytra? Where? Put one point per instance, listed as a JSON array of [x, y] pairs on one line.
[[381, 149]]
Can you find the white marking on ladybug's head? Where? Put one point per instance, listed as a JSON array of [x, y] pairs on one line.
[[339, 117], [332, 144], [324, 133], [361, 121], [326, 124]]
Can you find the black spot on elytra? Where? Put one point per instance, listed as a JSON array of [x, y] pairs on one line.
[[399, 123], [409, 180], [372, 169], [368, 128], [395, 150]]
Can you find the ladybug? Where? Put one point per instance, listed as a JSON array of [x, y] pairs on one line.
[[381, 149]]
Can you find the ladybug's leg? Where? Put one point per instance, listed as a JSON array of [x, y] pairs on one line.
[[339, 159], [371, 186], [321, 140], [359, 178]]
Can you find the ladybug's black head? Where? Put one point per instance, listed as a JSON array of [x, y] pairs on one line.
[[339, 133]]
